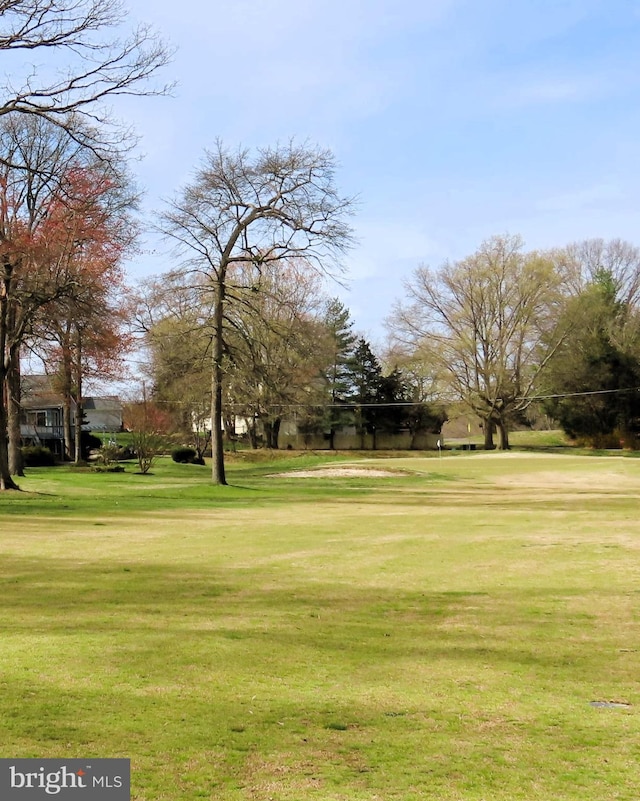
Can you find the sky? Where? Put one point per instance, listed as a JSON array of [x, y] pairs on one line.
[[451, 120]]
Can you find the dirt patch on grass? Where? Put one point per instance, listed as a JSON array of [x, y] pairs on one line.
[[341, 472], [593, 480]]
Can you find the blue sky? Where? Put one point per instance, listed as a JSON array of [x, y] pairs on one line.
[[452, 120]]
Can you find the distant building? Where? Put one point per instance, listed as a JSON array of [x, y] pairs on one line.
[[42, 414], [345, 437], [102, 413]]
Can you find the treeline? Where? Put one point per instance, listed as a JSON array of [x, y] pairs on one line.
[[506, 333], [290, 354], [241, 327]]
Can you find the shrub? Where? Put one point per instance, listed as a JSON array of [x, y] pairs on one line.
[[108, 454], [184, 455], [89, 442], [37, 456], [147, 445], [108, 468]]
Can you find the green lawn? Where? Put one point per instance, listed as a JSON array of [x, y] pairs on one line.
[[439, 634]]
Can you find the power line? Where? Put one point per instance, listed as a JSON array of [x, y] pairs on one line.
[[354, 405], [581, 394]]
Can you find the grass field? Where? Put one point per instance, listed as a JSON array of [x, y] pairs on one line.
[[443, 633]]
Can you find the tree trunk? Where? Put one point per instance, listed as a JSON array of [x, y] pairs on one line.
[[77, 445], [332, 439], [359, 425], [67, 381], [217, 442], [16, 464], [487, 427], [79, 414], [66, 427], [66, 390], [504, 436], [6, 482], [271, 432]]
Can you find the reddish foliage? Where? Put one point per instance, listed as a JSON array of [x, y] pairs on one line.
[[146, 416]]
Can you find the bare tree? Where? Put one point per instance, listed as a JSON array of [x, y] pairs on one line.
[[172, 322], [247, 208], [582, 263], [277, 346], [274, 338], [481, 322], [82, 63]]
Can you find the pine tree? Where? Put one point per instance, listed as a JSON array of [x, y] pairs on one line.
[[341, 343], [365, 376]]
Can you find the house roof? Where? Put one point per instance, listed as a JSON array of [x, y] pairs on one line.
[[38, 392], [106, 403]]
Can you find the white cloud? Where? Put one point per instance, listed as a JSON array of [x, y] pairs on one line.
[[454, 119], [281, 56]]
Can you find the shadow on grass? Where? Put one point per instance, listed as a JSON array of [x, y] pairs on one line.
[[137, 499], [206, 608]]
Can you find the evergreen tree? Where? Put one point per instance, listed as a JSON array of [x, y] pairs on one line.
[[337, 375], [365, 376], [596, 371], [393, 396]]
